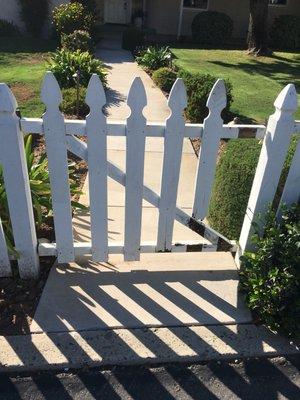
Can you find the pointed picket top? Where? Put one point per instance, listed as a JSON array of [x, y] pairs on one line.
[[177, 101], [95, 95], [287, 100], [137, 98], [217, 99], [51, 94], [8, 102]]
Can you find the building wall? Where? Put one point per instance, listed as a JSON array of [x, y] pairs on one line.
[[238, 10], [163, 16]]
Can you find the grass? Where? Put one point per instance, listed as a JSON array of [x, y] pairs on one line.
[[256, 81], [22, 67]]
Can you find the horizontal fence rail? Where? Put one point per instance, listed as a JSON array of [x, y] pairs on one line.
[[63, 135]]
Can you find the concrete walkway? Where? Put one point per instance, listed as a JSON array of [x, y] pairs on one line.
[[162, 289]]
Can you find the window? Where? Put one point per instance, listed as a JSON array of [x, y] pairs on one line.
[[201, 4], [277, 2]]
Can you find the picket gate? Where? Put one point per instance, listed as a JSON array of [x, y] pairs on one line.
[[61, 136]]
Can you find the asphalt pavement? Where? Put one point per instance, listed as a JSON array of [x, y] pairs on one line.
[[253, 379]]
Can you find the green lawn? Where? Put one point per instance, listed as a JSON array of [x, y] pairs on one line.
[[256, 81], [22, 67]]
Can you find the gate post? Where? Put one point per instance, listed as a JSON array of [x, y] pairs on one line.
[[16, 180], [274, 150]]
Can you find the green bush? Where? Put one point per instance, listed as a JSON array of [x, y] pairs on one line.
[[71, 17], [132, 38], [285, 32], [232, 186], [90, 5], [164, 78], [78, 40], [34, 13], [270, 276], [153, 57], [212, 27], [64, 64], [8, 29], [198, 87], [40, 191], [69, 103]]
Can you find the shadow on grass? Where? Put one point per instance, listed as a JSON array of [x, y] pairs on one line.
[[26, 45]]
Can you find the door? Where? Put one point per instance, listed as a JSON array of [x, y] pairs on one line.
[[117, 11]]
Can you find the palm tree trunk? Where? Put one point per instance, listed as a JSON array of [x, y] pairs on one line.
[[258, 28]]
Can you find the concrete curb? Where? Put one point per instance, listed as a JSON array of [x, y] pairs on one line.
[[73, 350]]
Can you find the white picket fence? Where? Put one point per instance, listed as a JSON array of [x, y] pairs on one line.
[[60, 137]]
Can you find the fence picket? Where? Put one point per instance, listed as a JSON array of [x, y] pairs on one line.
[[97, 160], [212, 133], [135, 156], [12, 158], [174, 135], [275, 146], [5, 267], [56, 147], [291, 192]]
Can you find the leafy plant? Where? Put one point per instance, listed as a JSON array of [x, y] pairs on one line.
[[198, 87], [164, 78], [64, 64], [71, 17], [212, 27], [132, 38], [78, 40], [40, 191], [8, 29], [285, 32], [270, 276], [153, 57], [69, 104], [34, 13]]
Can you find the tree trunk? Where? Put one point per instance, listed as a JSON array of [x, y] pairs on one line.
[[258, 28]]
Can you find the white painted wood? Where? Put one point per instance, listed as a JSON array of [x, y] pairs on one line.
[[97, 162], [291, 192], [56, 147], [12, 158], [79, 148], [212, 133], [135, 157], [171, 165], [5, 267], [275, 146], [84, 249]]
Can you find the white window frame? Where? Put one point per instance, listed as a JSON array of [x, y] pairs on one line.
[[279, 5]]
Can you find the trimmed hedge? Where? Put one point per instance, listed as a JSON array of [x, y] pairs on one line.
[[164, 78], [71, 17], [198, 87], [212, 27], [232, 186], [285, 32], [78, 40], [8, 29]]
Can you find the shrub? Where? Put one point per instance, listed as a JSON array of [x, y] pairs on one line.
[[232, 186], [198, 87], [78, 40], [8, 29], [40, 191], [164, 78], [69, 104], [285, 32], [89, 5], [234, 177], [71, 17], [132, 38], [270, 276], [153, 58], [212, 28], [64, 64], [34, 14]]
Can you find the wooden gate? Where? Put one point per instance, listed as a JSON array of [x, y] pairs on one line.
[[61, 136]]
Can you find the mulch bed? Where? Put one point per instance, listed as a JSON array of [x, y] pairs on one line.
[[19, 298]]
